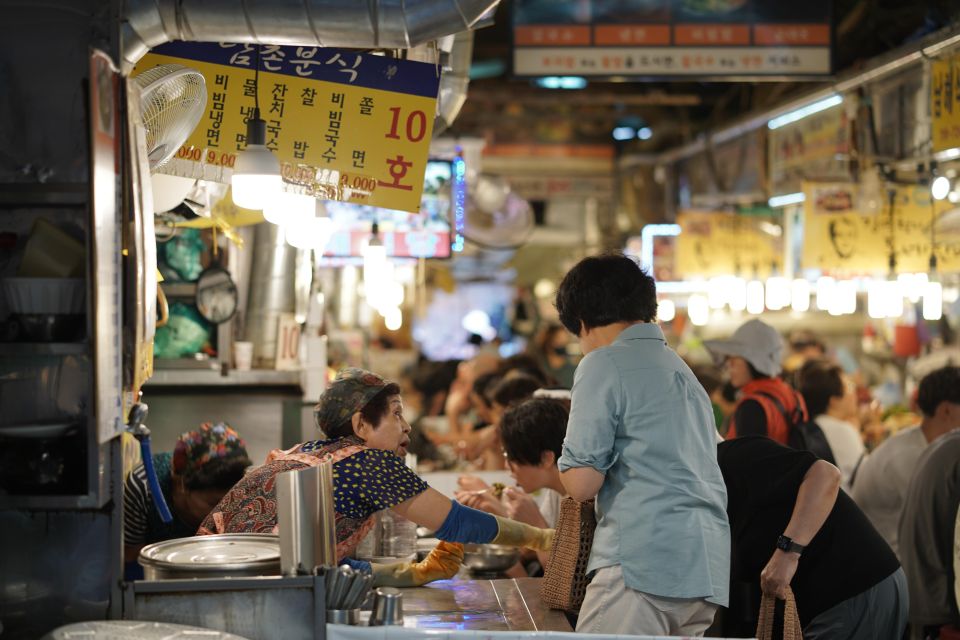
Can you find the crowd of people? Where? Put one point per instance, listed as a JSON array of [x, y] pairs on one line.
[[712, 485]]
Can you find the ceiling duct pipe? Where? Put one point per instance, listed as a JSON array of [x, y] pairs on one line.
[[452, 55], [358, 24]]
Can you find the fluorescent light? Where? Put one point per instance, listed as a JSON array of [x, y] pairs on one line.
[[647, 235], [561, 82], [644, 133], [624, 133], [948, 154], [803, 112], [786, 199]]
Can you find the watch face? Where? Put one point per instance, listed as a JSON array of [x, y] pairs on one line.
[[217, 296]]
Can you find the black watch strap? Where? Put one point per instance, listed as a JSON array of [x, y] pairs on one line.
[[787, 544]]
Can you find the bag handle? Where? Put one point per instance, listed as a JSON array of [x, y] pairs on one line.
[[793, 419], [791, 620]]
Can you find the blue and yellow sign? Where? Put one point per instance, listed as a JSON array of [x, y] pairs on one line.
[[346, 125]]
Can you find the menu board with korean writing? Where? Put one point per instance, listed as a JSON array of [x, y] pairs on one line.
[[847, 232], [717, 38], [716, 243], [345, 125], [944, 105]]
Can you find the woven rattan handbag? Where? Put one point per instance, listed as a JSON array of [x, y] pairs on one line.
[[791, 621], [565, 578]]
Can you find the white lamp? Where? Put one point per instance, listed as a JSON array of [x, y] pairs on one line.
[[666, 310], [286, 207], [256, 175], [755, 297], [698, 309]]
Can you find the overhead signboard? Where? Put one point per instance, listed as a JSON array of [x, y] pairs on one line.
[[717, 38], [945, 103], [845, 232], [713, 243], [346, 125], [814, 148]]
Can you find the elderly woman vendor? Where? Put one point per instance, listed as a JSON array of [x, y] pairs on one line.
[[362, 415]]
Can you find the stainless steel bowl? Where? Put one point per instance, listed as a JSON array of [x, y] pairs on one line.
[[489, 558], [234, 554]]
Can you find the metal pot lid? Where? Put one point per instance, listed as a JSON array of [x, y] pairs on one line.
[[135, 630], [231, 550]]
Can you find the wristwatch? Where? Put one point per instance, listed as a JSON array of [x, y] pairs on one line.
[[787, 544]]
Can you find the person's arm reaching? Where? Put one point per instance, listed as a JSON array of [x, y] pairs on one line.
[[815, 500]]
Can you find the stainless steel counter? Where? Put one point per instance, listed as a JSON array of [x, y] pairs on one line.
[[486, 605]]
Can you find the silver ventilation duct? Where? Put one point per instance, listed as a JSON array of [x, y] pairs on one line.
[[383, 24], [454, 82]]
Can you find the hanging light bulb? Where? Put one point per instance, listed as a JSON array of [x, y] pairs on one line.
[[288, 206], [256, 174], [393, 319], [876, 307], [844, 300], [737, 297], [933, 300], [940, 187], [777, 293], [666, 310], [800, 295], [698, 309], [308, 233], [717, 292], [374, 256], [911, 285], [755, 297], [825, 288], [893, 299]]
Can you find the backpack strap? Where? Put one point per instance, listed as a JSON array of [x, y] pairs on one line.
[[792, 419]]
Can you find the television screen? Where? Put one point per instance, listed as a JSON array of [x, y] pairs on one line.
[[425, 234]]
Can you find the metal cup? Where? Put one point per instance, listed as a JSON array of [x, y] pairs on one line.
[[387, 607], [343, 616], [307, 520]]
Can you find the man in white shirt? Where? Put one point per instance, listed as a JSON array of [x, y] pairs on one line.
[[880, 487], [831, 399]]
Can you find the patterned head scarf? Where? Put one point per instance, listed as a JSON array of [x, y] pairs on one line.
[[349, 392], [194, 449]]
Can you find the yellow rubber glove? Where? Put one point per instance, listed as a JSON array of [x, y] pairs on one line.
[[518, 534], [443, 562]]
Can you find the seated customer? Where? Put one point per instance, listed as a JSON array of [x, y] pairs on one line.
[[831, 400], [204, 464], [361, 415], [880, 488], [792, 526]]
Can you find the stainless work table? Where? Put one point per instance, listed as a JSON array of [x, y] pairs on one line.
[[485, 605]]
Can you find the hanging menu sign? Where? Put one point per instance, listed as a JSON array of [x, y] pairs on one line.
[[714, 243], [847, 232], [717, 38], [944, 105], [345, 125]]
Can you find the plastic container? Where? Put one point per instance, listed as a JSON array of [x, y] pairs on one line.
[[52, 253]]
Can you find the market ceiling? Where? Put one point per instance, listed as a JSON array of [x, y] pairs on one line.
[[503, 109]]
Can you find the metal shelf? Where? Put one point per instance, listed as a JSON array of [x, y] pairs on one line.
[[49, 503], [44, 348], [49, 194], [179, 289], [214, 378]]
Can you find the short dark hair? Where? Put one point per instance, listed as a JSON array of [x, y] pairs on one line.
[[532, 428], [372, 412], [522, 363], [942, 385], [483, 384], [218, 473], [605, 289], [819, 381], [510, 391]]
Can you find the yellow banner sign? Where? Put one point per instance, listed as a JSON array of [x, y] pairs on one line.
[[345, 125], [843, 231], [717, 244], [945, 103]]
